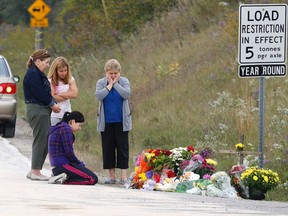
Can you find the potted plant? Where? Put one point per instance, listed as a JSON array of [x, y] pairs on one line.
[[259, 181]]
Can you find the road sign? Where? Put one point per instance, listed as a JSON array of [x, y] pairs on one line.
[[39, 9], [274, 70], [262, 34], [39, 23]]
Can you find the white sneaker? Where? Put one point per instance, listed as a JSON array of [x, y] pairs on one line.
[[59, 179]]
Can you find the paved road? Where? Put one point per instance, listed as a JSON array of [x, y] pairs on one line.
[[20, 196]]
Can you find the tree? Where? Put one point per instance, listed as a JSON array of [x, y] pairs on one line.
[[93, 23]]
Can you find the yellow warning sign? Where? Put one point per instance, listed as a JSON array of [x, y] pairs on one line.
[[39, 22], [39, 9]]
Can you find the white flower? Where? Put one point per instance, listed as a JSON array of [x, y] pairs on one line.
[[277, 146]]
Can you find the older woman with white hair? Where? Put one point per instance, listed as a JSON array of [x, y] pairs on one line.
[[114, 120]]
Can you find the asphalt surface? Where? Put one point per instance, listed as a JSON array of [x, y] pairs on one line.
[[21, 196]]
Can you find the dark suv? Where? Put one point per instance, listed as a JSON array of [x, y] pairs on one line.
[[8, 99]]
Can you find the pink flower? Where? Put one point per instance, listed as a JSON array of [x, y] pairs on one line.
[[138, 160], [206, 176]]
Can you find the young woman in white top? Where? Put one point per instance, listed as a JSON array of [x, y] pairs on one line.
[[63, 87]]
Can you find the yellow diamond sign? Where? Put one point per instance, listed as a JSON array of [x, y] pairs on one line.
[[39, 9]]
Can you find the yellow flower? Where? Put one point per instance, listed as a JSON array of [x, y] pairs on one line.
[[239, 146], [211, 162], [136, 168], [260, 178], [148, 156], [142, 176]]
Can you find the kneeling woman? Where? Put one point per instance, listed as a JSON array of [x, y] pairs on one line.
[[67, 168]]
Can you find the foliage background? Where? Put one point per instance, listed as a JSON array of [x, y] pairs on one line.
[[181, 59]]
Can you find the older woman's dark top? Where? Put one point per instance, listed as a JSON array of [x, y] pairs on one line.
[[37, 88]]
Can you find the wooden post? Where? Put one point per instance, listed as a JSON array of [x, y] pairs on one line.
[[105, 11], [241, 155], [39, 38]]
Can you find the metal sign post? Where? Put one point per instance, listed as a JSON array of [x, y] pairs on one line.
[[261, 122], [262, 50]]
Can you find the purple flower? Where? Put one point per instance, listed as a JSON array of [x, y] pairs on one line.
[[149, 174], [206, 153]]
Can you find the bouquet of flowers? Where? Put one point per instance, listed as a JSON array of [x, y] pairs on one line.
[[200, 164], [159, 166], [260, 179], [152, 164], [159, 159], [179, 155], [236, 182]]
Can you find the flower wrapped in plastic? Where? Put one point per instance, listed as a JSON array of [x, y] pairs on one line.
[[192, 164], [180, 155], [236, 182], [200, 165], [141, 170], [220, 186], [151, 164]]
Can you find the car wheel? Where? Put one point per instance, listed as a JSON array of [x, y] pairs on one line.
[[9, 129]]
